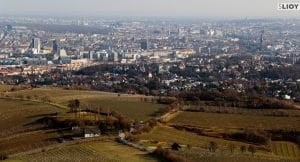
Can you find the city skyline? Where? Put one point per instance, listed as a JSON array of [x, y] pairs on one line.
[[154, 8]]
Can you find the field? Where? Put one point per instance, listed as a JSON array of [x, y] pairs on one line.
[[128, 105], [235, 121], [286, 149], [19, 131], [216, 122], [93, 151], [4, 88], [27, 141], [17, 116], [166, 136]]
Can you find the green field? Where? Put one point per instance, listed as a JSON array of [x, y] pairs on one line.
[[128, 105], [235, 121], [93, 151]]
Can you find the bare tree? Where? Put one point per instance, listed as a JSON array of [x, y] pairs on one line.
[[74, 105], [213, 146], [243, 149], [231, 147], [252, 149]]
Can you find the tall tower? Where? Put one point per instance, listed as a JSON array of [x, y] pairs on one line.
[[294, 58], [261, 39], [115, 56], [36, 45], [144, 44], [56, 46]]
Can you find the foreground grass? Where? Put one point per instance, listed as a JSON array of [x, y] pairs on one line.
[[26, 141], [93, 151]]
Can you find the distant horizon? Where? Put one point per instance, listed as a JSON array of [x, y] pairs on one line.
[[144, 17], [214, 9]]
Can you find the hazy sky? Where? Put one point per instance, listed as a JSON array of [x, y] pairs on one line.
[[174, 8]]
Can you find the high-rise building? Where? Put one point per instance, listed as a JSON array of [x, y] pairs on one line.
[[144, 44], [56, 46], [261, 39], [36, 45], [116, 56]]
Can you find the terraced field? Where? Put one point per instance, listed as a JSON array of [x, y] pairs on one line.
[[286, 149], [100, 151], [198, 154]]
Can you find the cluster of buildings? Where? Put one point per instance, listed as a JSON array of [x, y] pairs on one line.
[[186, 54]]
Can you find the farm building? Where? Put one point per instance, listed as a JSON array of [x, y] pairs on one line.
[[89, 132]]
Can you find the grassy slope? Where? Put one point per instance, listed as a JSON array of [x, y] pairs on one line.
[[234, 121], [170, 135], [27, 141], [129, 105], [166, 136], [17, 115]]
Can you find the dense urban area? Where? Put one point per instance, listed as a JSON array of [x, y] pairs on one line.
[[157, 57]]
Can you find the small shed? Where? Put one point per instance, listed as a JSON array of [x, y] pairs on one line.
[[92, 132]]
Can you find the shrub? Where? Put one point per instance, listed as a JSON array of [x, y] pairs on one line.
[[132, 138], [252, 136], [168, 155]]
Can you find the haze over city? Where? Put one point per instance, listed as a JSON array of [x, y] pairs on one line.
[[153, 8]]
